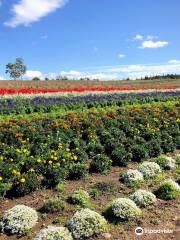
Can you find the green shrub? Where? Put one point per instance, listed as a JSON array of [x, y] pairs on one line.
[[60, 187], [32, 183], [53, 205], [53, 176], [81, 198], [120, 156], [167, 143], [103, 188], [4, 188], [95, 148], [168, 190], [166, 162], [100, 163], [139, 153], [154, 148], [78, 171]]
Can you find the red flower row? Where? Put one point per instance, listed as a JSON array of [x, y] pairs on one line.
[[6, 91]]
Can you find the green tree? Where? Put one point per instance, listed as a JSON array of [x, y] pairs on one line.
[[16, 70]]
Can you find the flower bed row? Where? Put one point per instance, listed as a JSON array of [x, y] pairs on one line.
[[86, 223], [47, 150], [6, 91], [46, 104]]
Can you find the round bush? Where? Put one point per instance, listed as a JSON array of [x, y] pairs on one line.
[[54, 233], [32, 183], [86, 223], [139, 153], [120, 156], [18, 220], [132, 176], [124, 209], [168, 190], [78, 171], [149, 169], [80, 197], [166, 162], [143, 198], [101, 163], [154, 148], [53, 205]]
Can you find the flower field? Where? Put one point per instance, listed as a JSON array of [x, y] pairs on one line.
[[75, 152]]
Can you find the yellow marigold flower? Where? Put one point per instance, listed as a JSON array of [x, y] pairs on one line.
[[58, 164], [1, 157], [1, 178], [22, 180], [67, 150], [75, 158], [39, 160], [55, 158], [14, 171], [50, 162]]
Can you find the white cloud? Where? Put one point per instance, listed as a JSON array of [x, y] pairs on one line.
[[173, 61], [112, 72], [136, 71], [138, 37], [121, 55], [31, 74], [153, 44], [26, 12], [72, 74]]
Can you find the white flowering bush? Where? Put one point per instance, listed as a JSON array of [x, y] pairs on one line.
[[132, 176], [149, 169], [168, 190], [18, 220], [166, 162], [54, 233], [143, 198], [86, 223], [124, 209]]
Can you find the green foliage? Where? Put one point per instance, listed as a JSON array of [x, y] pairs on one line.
[[60, 187], [154, 148], [139, 153], [120, 156], [168, 190], [78, 171], [81, 198], [165, 162], [4, 188], [101, 163], [53, 205], [32, 183], [103, 188], [17, 69]]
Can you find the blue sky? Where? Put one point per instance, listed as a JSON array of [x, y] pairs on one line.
[[99, 39]]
